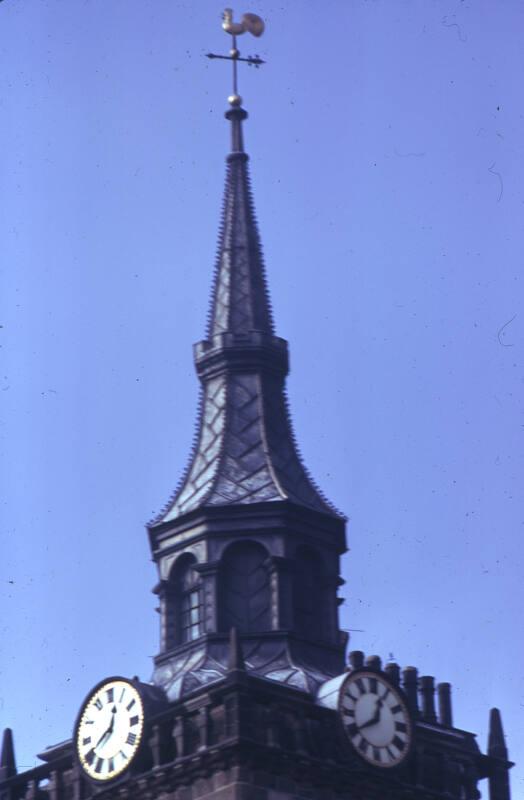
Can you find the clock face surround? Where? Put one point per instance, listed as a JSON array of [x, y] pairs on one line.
[[109, 730], [376, 719]]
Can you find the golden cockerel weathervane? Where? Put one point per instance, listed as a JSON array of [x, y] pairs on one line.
[[251, 23]]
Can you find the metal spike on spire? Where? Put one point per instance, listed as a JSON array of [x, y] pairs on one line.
[[250, 23]]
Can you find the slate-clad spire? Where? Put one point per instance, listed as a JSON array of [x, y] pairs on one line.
[[245, 450], [240, 299]]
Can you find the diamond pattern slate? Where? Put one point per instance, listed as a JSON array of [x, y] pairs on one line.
[[272, 660]]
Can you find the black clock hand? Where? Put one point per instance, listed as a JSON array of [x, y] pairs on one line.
[[105, 736], [370, 722], [375, 718]]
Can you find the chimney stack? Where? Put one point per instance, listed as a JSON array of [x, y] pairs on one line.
[[444, 704], [410, 684], [427, 693]]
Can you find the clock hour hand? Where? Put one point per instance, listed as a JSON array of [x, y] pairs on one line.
[[375, 718]]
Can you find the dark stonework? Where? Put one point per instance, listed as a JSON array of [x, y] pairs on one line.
[[246, 737], [248, 556]]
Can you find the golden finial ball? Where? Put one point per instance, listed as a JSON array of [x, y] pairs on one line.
[[234, 100]]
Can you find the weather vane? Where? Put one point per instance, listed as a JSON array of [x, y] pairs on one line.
[[255, 25]]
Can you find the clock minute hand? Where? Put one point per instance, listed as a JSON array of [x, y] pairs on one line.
[[105, 736]]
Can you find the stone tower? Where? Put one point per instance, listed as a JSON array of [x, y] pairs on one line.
[[251, 696]]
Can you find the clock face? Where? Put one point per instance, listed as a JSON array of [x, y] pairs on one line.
[[109, 731], [376, 719]]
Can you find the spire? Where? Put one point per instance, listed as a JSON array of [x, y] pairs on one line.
[[244, 450], [7, 756], [240, 301]]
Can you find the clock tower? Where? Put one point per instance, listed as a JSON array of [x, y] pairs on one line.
[[252, 696]]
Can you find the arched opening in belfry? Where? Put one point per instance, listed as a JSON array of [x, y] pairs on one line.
[[183, 603], [244, 590], [308, 594]]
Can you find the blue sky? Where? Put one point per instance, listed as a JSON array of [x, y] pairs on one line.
[[386, 160]]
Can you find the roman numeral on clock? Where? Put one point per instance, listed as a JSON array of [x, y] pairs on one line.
[[399, 743], [131, 738], [133, 721], [110, 695], [401, 727]]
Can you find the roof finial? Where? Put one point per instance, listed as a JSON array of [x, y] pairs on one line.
[[7, 756], [236, 659], [251, 23], [499, 788], [496, 741]]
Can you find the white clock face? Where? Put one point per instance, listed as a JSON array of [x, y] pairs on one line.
[[376, 719], [110, 729]]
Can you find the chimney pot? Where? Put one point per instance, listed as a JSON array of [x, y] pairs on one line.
[[356, 659], [427, 692], [444, 704], [374, 663], [392, 670], [410, 680]]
